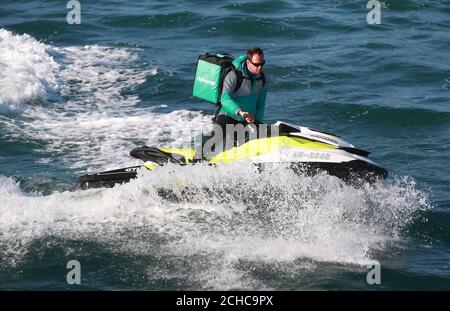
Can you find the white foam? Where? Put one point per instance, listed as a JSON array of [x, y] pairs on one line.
[[276, 217], [98, 122], [99, 140], [27, 71], [98, 75]]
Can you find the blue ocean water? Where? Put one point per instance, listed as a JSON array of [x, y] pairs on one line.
[[76, 98]]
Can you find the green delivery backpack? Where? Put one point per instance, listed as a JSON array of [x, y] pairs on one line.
[[210, 74]]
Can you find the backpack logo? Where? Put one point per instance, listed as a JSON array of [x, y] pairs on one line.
[[206, 81]]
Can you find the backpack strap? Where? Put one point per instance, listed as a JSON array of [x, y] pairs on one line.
[[216, 114], [239, 79]]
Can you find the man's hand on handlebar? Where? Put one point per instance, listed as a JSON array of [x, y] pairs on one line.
[[247, 116]]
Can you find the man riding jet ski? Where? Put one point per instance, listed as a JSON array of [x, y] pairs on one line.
[[238, 88], [306, 150]]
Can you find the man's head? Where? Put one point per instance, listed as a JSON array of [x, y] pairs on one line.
[[255, 60]]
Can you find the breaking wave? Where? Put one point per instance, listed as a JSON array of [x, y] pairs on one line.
[[214, 222], [27, 71]]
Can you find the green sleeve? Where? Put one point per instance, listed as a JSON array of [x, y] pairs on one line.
[[229, 104], [260, 105]]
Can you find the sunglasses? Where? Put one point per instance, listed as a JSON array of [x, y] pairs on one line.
[[256, 64]]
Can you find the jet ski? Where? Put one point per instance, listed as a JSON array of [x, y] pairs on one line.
[[305, 150]]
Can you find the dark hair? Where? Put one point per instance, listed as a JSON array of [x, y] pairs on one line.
[[253, 51]]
